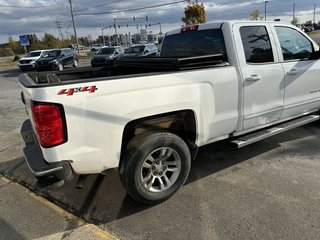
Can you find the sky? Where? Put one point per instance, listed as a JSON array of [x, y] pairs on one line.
[[19, 17]]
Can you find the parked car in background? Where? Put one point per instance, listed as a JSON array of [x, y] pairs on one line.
[[141, 50], [29, 60], [56, 59], [75, 47], [107, 56], [96, 47], [307, 28]]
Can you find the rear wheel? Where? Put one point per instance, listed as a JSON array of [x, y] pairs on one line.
[[157, 164]]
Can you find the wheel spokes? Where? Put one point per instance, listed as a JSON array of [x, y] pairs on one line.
[[146, 165], [160, 169]]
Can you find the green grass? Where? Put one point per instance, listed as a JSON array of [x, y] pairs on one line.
[[314, 33]]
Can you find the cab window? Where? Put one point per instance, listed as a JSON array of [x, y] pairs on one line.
[[194, 43], [294, 45], [256, 44]]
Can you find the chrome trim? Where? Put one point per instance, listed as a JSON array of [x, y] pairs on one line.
[[273, 123], [273, 131]]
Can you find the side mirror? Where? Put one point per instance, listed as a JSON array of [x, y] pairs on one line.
[[116, 53], [146, 51], [63, 55], [315, 55]]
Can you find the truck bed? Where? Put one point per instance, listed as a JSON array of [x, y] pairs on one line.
[[129, 67]]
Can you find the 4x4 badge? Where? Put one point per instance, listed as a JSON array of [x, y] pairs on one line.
[[71, 91]]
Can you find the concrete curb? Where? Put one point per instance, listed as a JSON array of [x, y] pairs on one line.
[[83, 231]]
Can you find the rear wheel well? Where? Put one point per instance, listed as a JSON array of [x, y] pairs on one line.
[[181, 123]]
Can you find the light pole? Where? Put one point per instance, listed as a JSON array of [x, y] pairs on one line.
[[265, 9]]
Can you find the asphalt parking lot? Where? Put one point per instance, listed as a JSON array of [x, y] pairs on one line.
[[268, 190]]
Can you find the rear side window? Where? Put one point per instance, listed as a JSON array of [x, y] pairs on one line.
[[256, 44], [194, 43], [293, 44]]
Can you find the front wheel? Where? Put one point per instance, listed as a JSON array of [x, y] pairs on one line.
[[157, 164], [75, 63], [60, 66]]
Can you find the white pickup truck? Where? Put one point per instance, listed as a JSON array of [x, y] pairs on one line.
[[146, 117]]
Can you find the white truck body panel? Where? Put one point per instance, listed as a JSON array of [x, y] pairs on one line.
[[226, 101], [94, 121]]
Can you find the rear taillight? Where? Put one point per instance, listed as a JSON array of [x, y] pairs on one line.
[[49, 123]]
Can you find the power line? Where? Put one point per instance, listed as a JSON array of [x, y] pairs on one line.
[[132, 9], [100, 5]]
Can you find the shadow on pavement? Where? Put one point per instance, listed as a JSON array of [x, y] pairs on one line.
[[8, 231], [11, 72], [104, 200]]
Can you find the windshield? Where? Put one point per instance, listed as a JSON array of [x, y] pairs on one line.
[[135, 49], [53, 53], [33, 54], [104, 51], [194, 43]]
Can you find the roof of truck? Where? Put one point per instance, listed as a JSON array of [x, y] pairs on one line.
[[218, 24]]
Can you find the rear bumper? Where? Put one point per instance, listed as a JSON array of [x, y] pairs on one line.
[[35, 160]]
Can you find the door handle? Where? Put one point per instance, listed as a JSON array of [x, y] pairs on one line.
[[253, 78], [293, 72]]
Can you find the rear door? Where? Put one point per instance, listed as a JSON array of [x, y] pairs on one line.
[[64, 57], [302, 81], [69, 53], [262, 74]]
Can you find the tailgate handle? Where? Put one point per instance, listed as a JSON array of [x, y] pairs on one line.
[[253, 78]]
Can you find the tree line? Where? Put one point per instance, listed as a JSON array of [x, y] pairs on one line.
[[48, 41]]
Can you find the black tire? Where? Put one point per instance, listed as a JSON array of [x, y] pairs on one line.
[[133, 170]]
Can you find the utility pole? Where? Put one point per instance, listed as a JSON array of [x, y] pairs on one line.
[[74, 26], [314, 13], [115, 30], [103, 41], [293, 14], [265, 9]]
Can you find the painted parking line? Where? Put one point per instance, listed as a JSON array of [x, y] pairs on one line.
[[83, 230]]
